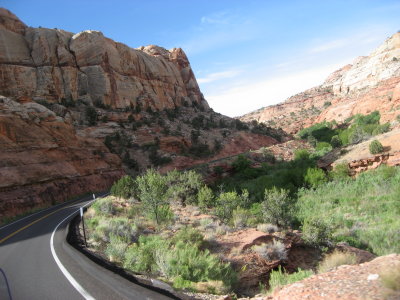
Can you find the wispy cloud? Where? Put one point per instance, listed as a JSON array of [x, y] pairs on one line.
[[330, 45], [238, 100], [218, 76], [216, 18]]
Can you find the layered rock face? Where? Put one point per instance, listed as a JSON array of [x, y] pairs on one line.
[[370, 83], [52, 64], [42, 160]]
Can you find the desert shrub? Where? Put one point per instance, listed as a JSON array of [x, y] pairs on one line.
[[315, 177], [151, 191], [340, 172], [240, 217], [124, 187], [241, 163], [225, 204], [381, 129], [358, 135], [271, 251], [189, 235], [301, 154], [116, 248], [336, 259], [390, 278], [104, 206], [336, 142], [375, 147], [267, 228], [375, 193], [278, 278], [268, 155], [205, 197], [184, 186], [191, 264], [316, 232], [277, 207], [200, 150], [398, 118], [322, 145], [141, 256]]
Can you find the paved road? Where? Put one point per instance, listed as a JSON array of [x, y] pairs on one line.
[[36, 262]]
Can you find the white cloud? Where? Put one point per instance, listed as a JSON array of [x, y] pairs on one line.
[[218, 76], [216, 18], [239, 100], [331, 45]]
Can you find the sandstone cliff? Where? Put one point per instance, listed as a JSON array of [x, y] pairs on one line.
[[52, 64], [370, 83], [81, 110], [42, 160]]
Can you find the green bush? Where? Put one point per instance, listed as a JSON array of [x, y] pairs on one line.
[[277, 207], [225, 204], [340, 172], [279, 278], [336, 142], [315, 177], [141, 257], [189, 235], [124, 187], [104, 206], [301, 154], [205, 197], [116, 248], [322, 145], [241, 163], [151, 191], [241, 217], [375, 147], [184, 186], [316, 232], [375, 193]]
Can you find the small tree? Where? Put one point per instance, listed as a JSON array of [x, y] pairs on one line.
[[124, 187], [277, 207], [301, 154], [315, 177], [241, 163], [205, 197], [336, 142], [152, 192], [375, 147]]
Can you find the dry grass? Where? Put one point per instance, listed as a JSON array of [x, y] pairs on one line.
[[267, 228], [274, 251], [336, 259], [390, 278]]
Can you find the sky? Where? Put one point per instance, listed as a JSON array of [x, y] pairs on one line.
[[246, 54]]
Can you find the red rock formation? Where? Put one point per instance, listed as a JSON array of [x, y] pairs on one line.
[[42, 160], [370, 83], [52, 64]]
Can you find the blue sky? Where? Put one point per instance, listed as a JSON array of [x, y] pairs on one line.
[[245, 54]]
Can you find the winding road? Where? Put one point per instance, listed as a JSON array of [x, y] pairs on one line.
[[36, 262]]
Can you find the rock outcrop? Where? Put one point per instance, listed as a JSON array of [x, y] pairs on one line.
[[52, 64], [370, 83], [346, 282], [43, 161]]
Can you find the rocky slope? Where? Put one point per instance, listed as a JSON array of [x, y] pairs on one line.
[[81, 110], [346, 282], [370, 83], [42, 160]]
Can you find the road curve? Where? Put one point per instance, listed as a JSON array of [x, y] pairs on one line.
[[36, 262]]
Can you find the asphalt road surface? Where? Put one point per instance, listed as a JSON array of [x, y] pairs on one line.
[[36, 262]]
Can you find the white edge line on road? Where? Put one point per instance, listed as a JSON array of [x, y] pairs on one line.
[[45, 209], [68, 275]]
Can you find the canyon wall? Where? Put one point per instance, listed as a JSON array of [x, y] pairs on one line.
[[370, 83], [52, 64]]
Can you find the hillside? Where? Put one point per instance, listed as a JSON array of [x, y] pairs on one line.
[[370, 83], [80, 110]]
